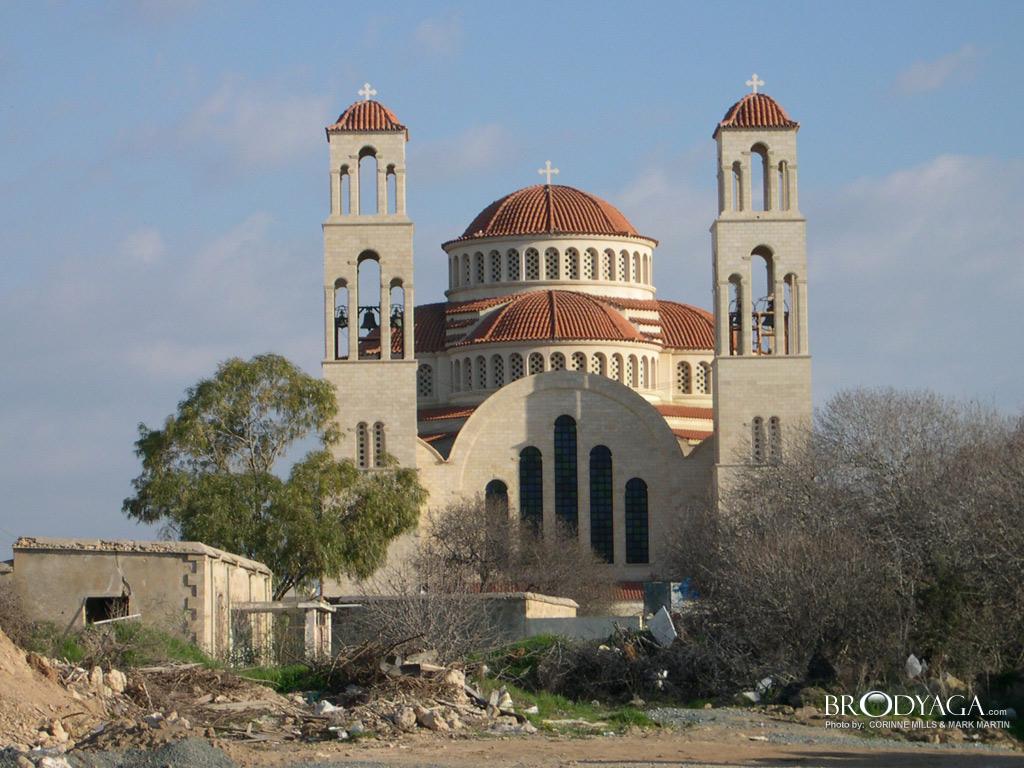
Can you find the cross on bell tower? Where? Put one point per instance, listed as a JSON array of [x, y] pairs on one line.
[[753, 83], [367, 91]]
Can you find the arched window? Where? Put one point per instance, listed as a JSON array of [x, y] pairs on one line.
[[579, 362], [368, 296], [683, 377], [512, 264], [737, 186], [397, 320], [496, 498], [425, 381], [481, 372], [608, 265], [736, 313], [345, 189], [654, 373], [566, 491], [515, 366], [760, 178], [602, 531], [572, 257], [635, 274], [762, 270], [392, 187], [557, 362], [647, 269], [495, 267], [341, 319], [498, 371], [623, 272], [456, 376], [362, 445], [757, 440], [590, 261], [643, 373], [536, 363], [703, 378], [368, 181], [774, 440], [467, 275], [531, 487], [599, 364], [615, 368], [478, 262], [467, 374], [378, 444], [782, 193], [532, 264], [790, 314], [637, 527], [631, 371], [551, 264]]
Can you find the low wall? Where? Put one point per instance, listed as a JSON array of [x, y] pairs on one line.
[[581, 627]]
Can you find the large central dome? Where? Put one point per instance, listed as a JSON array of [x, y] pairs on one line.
[[549, 209]]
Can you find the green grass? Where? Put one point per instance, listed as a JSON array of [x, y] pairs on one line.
[[141, 646], [288, 678], [551, 706]]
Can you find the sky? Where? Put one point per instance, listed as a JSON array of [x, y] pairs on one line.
[[165, 177]]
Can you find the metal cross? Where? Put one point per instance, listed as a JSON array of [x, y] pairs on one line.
[[367, 91], [755, 82], [548, 171]]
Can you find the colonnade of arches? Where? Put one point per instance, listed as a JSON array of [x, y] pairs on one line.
[[485, 372], [608, 265], [600, 477], [758, 181], [368, 187], [369, 317], [763, 308], [693, 379]]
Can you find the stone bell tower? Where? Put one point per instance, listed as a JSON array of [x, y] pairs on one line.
[[369, 354], [762, 367]]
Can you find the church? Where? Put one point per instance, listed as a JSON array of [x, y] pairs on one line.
[[552, 380]]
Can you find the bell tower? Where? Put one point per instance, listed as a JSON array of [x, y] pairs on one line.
[[369, 353], [762, 367]]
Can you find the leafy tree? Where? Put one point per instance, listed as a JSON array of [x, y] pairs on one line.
[[211, 474]]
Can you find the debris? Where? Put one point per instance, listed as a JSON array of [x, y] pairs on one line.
[[662, 628], [325, 707], [913, 666], [749, 697], [532, 710]]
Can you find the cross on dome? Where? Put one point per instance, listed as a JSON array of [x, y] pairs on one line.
[[548, 171], [367, 91], [755, 82]]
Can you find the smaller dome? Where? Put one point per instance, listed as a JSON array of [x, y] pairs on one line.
[[554, 316], [367, 116], [550, 209], [756, 110]]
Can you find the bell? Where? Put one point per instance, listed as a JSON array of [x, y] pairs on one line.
[[369, 321]]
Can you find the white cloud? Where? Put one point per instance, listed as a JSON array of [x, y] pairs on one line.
[[439, 36], [477, 148], [930, 75], [257, 124], [143, 246]]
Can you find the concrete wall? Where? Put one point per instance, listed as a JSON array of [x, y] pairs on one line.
[[182, 587], [581, 627]]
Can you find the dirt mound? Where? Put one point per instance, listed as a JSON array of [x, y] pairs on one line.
[[31, 699]]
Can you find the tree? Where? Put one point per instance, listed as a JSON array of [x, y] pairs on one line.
[[211, 474], [474, 545]]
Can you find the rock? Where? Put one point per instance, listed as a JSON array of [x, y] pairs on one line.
[[454, 721], [325, 707], [431, 720], [154, 720], [528, 727], [117, 681], [24, 762], [455, 678], [53, 762], [404, 718], [42, 665], [356, 729], [533, 710], [708, 705], [57, 729], [749, 697], [185, 723], [495, 696], [505, 700], [96, 678]]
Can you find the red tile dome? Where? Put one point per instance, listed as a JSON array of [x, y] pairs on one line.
[[686, 327], [368, 116], [554, 316], [756, 110], [550, 209]]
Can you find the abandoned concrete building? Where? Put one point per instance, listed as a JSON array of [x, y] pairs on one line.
[[553, 380]]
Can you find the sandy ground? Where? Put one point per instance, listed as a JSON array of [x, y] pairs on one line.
[[713, 745]]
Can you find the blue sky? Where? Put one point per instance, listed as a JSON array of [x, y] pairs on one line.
[[165, 176]]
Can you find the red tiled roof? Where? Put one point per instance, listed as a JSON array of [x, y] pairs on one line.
[[369, 116], [756, 110], [429, 327], [686, 327], [450, 412], [685, 412], [548, 209], [433, 437], [629, 591], [692, 434], [553, 316]]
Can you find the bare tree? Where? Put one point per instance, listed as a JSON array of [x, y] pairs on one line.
[[895, 527]]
